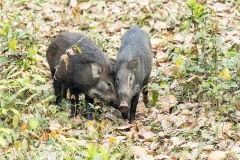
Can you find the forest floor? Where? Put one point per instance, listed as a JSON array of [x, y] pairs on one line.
[[180, 122]]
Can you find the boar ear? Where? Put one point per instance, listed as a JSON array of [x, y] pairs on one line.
[[96, 70], [112, 64], [134, 64]]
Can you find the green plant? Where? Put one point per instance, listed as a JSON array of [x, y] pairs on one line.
[[209, 69], [95, 153]]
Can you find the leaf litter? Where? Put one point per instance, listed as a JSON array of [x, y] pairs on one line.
[[169, 130]]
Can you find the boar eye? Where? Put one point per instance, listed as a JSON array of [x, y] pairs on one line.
[[130, 80], [109, 85]]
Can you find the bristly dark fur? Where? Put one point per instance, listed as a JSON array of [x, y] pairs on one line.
[[78, 75], [133, 68]]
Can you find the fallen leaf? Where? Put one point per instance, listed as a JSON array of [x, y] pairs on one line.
[[65, 58], [26, 117], [160, 25], [85, 5], [161, 57], [167, 102], [225, 74], [24, 127], [144, 2], [112, 139], [218, 7], [54, 125], [178, 38], [73, 3], [177, 141], [155, 42], [77, 119], [124, 127], [113, 28], [217, 155], [208, 147], [138, 150], [147, 135], [44, 136], [141, 108], [62, 133]]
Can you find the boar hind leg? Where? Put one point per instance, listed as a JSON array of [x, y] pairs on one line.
[[64, 91], [89, 109], [133, 107], [57, 88], [74, 103], [145, 95]]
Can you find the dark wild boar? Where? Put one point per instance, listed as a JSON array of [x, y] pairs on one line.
[[133, 67], [77, 63]]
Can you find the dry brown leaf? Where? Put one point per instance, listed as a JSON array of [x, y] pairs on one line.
[[73, 3], [52, 134], [172, 118], [91, 128], [201, 121], [120, 139], [124, 127], [187, 105], [26, 117], [160, 25], [135, 136], [78, 119], [169, 70], [162, 157], [237, 114], [224, 127], [66, 59], [218, 7], [85, 5], [138, 150], [208, 147], [174, 84], [167, 102], [155, 42], [144, 2], [161, 57], [178, 38], [177, 141], [70, 51], [24, 127], [205, 154], [190, 145], [235, 149], [147, 135], [216, 155], [76, 132], [62, 133], [54, 125], [141, 108], [111, 117], [194, 124], [44, 136], [174, 155], [165, 124], [113, 28]]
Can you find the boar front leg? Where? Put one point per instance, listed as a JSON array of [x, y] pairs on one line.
[[133, 108]]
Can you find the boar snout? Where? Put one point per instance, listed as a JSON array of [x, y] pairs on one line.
[[123, 107]]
